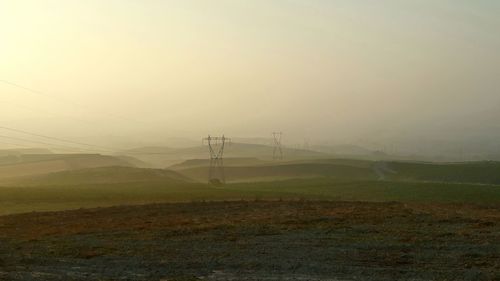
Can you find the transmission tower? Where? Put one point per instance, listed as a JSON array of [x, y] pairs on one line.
[[216, 149], [277, 151]]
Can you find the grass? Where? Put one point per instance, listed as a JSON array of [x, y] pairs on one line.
[[57, 197], [30, 165], [286, 170], [376, 191], [467, 172], [487, 172]]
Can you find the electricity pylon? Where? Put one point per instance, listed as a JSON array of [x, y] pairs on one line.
[[216, 146], [277, 151]]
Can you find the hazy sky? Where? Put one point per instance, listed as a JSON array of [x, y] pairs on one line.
[[311, 68]]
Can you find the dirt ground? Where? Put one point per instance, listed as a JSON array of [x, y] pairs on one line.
[[258, 240]]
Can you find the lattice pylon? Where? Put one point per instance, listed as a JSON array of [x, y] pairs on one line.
[[216, 147], [277, 150]]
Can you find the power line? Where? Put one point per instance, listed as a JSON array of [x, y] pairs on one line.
[[25, 88], [54, 138], [34, 91], [14, 144], [41, 93], [39, 110], [40, 135], [277, 151], [44, 143]]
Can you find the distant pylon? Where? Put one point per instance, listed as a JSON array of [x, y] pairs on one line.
[[216, 146], [306, 144], [277, 151]]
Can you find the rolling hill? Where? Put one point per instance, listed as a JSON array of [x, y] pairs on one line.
[[162, 157], [99, 175], [192, 163], [20, 151], [487, 172], [468, 172], [38, 164], [285, 171]]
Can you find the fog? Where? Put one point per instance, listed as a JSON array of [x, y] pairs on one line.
[[373, 73]]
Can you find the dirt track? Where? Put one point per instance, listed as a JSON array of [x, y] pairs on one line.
[[254, 241]]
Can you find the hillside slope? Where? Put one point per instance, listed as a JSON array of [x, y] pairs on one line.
[[192, 163], [162, 157], [469, 172], [100, 175], [28, 165], [285, 171]]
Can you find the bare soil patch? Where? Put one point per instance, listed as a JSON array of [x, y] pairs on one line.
[[261, 240]]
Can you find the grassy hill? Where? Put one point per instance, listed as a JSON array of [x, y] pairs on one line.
[[38, 164], [192, 163], [149, 150], [164, 156], [19, 151], [469, 172], [284, 171], [100, 175], [346, 149], [64, 197], [80, 183]]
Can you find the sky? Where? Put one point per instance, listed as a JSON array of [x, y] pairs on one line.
[[339, 71]]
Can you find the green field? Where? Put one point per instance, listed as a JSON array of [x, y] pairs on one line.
[[81, 186], [487, 172], [61, 197]]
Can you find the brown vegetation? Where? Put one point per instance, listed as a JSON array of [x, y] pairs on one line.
[[256, 240]]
